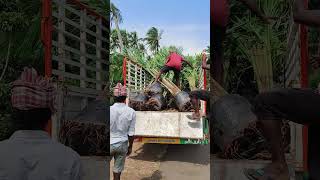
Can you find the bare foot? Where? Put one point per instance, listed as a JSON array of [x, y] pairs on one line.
[[194, 116], [275, 171]]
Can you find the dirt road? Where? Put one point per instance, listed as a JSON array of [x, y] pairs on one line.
[[167, 162]]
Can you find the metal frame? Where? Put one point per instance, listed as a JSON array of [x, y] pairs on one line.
[[304, 82]]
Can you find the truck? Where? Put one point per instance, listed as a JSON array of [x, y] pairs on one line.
[[163, 127]]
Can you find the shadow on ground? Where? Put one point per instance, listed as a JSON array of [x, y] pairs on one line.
[[195, 154], [155, 176], [150, 152]]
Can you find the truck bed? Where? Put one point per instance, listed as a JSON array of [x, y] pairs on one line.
[[167, 125]]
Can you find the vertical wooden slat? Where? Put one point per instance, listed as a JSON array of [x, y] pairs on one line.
[[140, 78], [98, 51], [82, 48], [144, 80], [135, 77], [61, 38], [83, 72], [129, 73]]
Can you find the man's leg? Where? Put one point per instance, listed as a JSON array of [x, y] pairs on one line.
[[195, 96], [158, 75], [176, 78], [116, 176], [119, 160], [163, 70], [291, 104]]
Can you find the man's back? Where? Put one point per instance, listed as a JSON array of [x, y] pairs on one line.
[[122, 122], [175, 60], [32, 155]]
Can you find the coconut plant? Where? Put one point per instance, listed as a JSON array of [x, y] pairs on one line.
[[263, 44]]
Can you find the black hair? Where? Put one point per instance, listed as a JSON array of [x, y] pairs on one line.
[[35, 119], [120, 99]]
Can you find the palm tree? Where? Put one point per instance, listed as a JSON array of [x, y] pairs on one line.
[[114, 43], [133, 39], [153, 39], [116, 17], [141, 47]]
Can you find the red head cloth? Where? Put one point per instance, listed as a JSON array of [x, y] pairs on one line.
[[120, 90], [32, 91]]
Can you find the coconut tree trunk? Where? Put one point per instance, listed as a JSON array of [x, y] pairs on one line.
[[119, 34], [7, 60]]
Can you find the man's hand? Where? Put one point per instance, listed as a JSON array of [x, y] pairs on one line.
[[129, 150], [131, 139]]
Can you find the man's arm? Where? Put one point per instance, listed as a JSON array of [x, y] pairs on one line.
[[205, 65], [168, 59], [252, 5], [188, 63], [131, 133], [305, 16]]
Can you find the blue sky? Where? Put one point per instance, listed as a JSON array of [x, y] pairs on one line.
[[186, 23]]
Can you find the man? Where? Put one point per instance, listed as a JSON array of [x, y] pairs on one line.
[[122, 127], [30, 153], [297, 105], [200, 94], [173, 63]]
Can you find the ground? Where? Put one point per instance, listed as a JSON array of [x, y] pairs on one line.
[[167, 162]]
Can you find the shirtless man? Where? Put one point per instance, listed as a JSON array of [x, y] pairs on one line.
[[297, 105], [220, 14]]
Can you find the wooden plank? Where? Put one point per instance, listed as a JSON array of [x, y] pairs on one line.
[[68, 7], [74, 76], [129, 72], [135, 78], [66, 33], [83, 90], [66, 20], [98, 54], [80, 40], [76, 51], [74, 24], [87, 18], [77, 64], [61, 40]]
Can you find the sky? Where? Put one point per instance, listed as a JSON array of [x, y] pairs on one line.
[[185, 23]]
